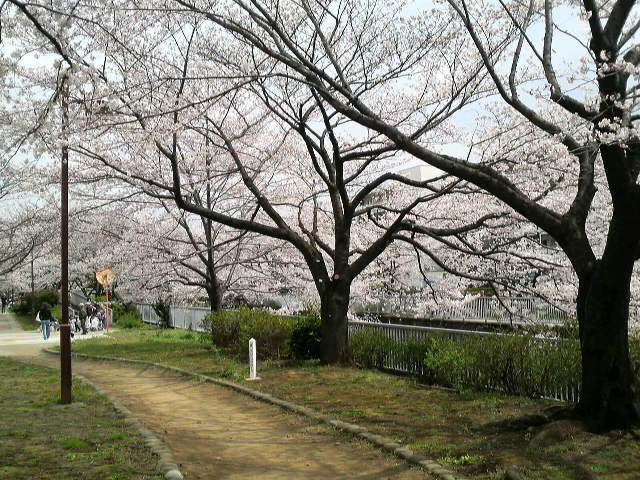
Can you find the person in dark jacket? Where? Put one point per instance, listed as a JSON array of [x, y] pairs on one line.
[[5, 301], [46, 318], [83, 318]]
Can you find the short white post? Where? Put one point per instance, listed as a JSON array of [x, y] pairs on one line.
[[252, 360]]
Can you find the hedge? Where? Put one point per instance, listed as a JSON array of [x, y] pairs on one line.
[[129, 319], [516, 364], [32, 302], [277, 336], [232, 329]]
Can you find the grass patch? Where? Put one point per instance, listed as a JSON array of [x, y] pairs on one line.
[[74, 444], [26, 322], [41, 439], [180, 348], [461, 430]]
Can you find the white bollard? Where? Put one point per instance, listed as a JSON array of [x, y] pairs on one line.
[[252, 360]]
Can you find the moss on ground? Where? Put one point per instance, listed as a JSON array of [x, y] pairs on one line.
[[40, 439]]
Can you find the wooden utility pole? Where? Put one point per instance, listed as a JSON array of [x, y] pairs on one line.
[[32, 280], [65, 328]]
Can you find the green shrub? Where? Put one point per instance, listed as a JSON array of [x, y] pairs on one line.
[[163, 310], [567, 329], [370, 348], [130, 319], [31, 302], [310, 309], [224, 327], [304, 343], [233, 329], [118, 310], [374, 348], [515, 364], [121, 310], [271, 333], [445, 361]]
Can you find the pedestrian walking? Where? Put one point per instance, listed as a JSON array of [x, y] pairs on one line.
[[46, 317], [78, 325], [5, 301], [83, 318]]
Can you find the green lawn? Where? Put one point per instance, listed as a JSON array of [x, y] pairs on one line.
[[26, 321], [460, 430], [43, 440]]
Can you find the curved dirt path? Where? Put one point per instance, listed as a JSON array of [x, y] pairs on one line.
[[216, 433]]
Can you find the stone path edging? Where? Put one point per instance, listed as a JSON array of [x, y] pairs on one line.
[[166, 462], [378, 440]]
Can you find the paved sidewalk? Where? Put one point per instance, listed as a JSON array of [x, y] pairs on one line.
[[14, 340], [8, 324], [216, 433]]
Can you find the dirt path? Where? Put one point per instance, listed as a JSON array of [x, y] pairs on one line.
[[215, 433]]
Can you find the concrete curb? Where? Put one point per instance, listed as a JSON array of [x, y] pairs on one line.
[[166, 462], [380, 441]]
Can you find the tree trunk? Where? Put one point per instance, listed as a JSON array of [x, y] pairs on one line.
[[334, 305], [610, 396], [215, 297], [215, 291]]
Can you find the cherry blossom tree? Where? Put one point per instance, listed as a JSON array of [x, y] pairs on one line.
[[196, 253], [595, 127], [307, 171], [217, 249]]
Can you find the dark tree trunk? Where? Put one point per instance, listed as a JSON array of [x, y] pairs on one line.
[[610, 396], [214, 292], [334, 305]]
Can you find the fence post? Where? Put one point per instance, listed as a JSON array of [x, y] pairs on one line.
[[252, 360]]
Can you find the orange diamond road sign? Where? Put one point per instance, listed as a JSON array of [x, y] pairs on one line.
[[105, 277]]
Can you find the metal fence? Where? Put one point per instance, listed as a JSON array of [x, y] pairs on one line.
[[395, 362], [504, 310], [179, 317], [490, 309]]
